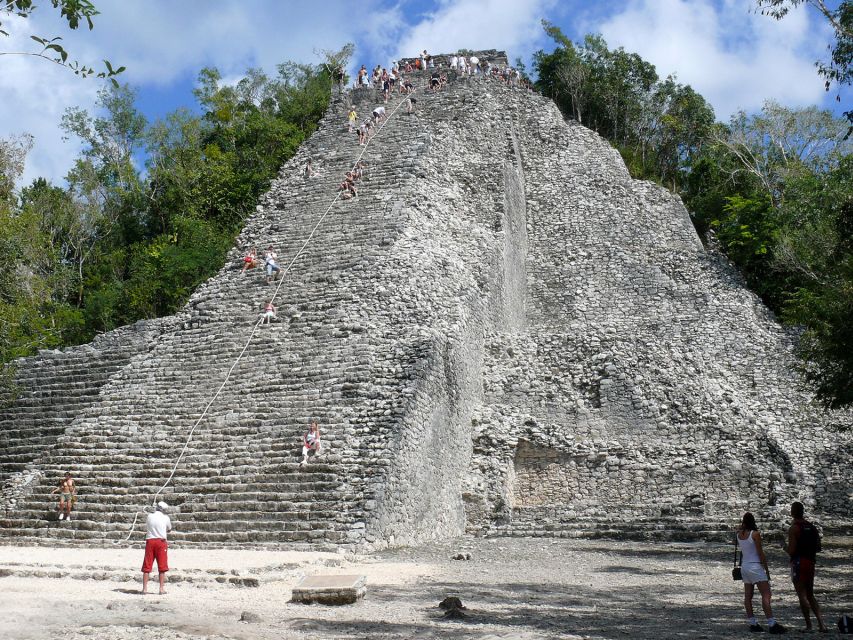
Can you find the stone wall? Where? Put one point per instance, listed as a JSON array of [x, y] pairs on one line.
[[503, 333]]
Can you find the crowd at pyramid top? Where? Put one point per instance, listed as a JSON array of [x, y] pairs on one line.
[[484, 64]]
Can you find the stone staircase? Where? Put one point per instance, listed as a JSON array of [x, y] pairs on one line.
[[504, 332], [49, 390]]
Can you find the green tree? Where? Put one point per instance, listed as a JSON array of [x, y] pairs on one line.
[[816, 245], [778, 143], [107, 192]]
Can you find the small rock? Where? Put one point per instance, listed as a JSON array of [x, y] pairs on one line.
[[248, 616], [451, 602]]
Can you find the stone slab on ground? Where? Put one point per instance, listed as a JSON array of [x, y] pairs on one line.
[[330, 589]]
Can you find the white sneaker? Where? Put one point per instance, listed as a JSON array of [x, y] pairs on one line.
[[68, 519], [61, 516], [304, 462]]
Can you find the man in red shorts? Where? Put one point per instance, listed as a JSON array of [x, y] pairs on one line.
[[157, 527], [803, 545]]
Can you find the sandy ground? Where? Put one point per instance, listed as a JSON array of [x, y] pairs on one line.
[[512, 588]]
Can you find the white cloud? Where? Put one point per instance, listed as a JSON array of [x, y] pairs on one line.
[[735, 58], [35, 95]]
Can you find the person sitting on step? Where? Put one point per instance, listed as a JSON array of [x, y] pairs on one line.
[[269, 313], [310, 442], [250, 261], [67, 496]]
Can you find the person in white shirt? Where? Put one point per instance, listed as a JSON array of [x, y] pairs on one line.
[[157, 526], [755, 573], [270, 259]]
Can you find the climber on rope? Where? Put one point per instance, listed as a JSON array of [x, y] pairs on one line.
[[310, 443], [411, 103], [269, 313], [348, 187], [67, 491], [270, 259]]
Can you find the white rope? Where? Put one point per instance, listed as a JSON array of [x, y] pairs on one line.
[[258, 323]]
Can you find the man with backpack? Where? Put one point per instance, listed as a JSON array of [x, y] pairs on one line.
[[803, 545]]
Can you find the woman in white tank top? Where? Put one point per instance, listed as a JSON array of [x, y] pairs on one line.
[[754, 572]]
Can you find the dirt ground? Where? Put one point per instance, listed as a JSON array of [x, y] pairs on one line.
[[512, 588]]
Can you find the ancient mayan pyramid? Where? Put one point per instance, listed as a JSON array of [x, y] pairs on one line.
[[504, 333]]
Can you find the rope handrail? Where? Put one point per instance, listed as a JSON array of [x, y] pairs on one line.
[[260, 320]]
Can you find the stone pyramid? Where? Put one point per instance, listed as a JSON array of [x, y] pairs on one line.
[[504, 334]]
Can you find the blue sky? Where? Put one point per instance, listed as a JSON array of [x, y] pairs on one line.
[[733, 56]]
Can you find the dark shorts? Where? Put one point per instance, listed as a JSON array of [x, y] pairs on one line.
[[802, 571], [155, 549]]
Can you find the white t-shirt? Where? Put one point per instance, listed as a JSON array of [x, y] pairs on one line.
[[157, 525], [380, 111]]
